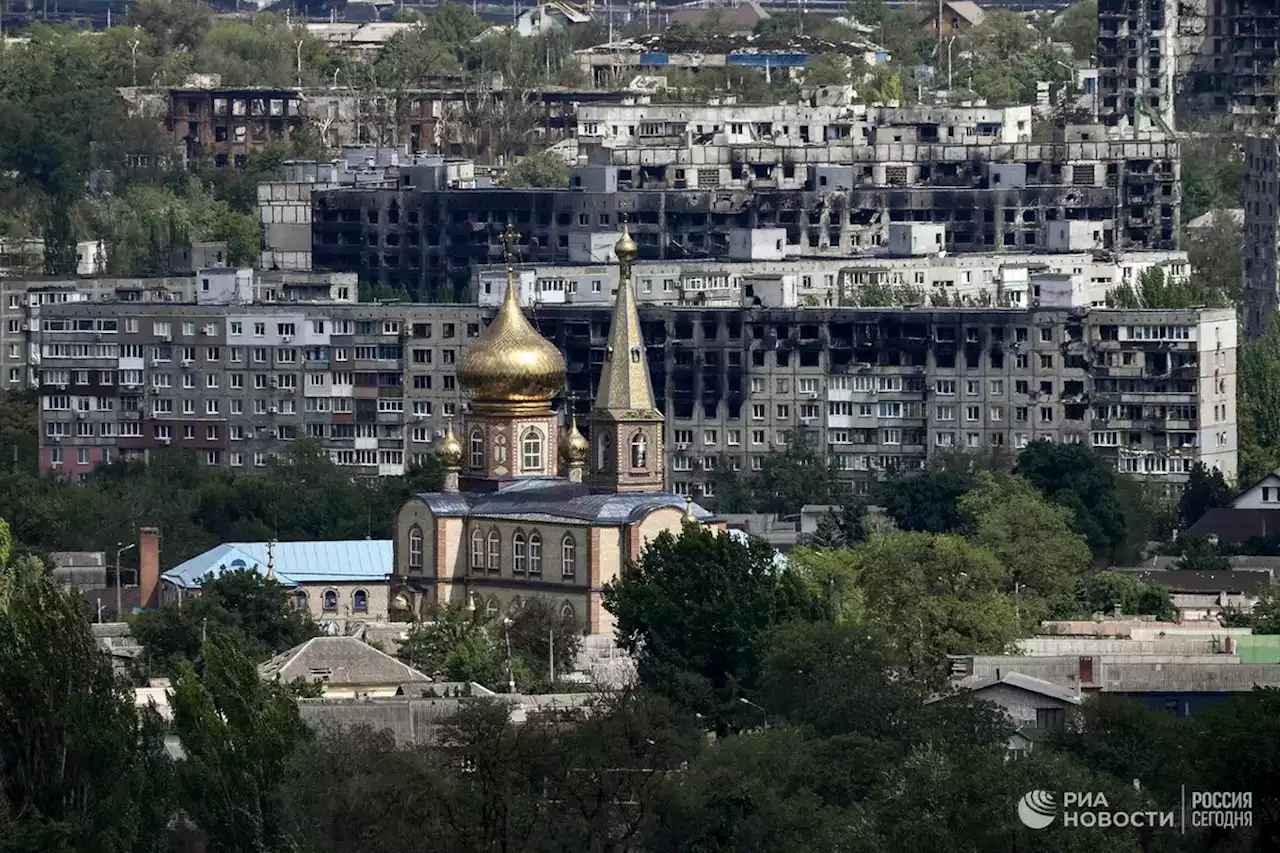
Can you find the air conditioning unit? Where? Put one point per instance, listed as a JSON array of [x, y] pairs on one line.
[[682, 446], [273, 410], [275, 382], [288, 339], [81, 415], [166, 441], [187, 362], [275, 433], [167, 338]]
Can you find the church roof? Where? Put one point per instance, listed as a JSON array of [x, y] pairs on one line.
[[556, 501]]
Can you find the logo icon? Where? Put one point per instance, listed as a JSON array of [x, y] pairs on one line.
[[1037, 809]]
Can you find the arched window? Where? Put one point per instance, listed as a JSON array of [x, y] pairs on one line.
[[532, 446], [602, 453], [495, 550], [415, 547], [491, 608], [516, 605], [639, 450], [477, 449], [567, 614], [360, 601], [568, 556], [300, 600], [330, 600], [477, 550], [517, 553], [535, 553]]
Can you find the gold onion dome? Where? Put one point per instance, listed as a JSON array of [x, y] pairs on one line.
[[573, 446], [625, 249], [449, 448], [511, 364]]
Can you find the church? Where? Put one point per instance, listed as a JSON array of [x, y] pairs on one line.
[[530, 506]]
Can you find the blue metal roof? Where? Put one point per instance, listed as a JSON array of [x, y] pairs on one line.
[[558, 498], [295, 563]]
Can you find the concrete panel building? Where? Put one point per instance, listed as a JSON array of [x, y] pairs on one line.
[[874, 388]]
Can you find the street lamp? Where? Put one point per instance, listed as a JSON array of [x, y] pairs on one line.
[[763, 713], [511, 678], [120, 549]]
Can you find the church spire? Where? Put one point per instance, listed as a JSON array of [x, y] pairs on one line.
[[625, 384], [626, 426]]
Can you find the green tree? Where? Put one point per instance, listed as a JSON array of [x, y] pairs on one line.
[[243, 602], [695, 611], [1030, 536], [80, 769], [1199, 555], [1103, 505], [1216, 256], [1156, 289], [1259, 404], [923, 500], [838, 528], [238, 731], [945, 593], [540, 169], [1078, 27], [787, 481], [457, 642], [832, 576], [1213, 167], [1110, 592], [1205, 489]]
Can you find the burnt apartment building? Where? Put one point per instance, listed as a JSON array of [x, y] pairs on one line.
[[834, 179], [1201, 56], [223, 126], [876, 389]]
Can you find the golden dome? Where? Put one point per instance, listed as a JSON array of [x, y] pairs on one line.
[[511, 367], [573, 446], [625, 249], [449, 448]]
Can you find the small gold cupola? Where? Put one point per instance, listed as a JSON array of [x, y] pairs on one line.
[[511, 369]]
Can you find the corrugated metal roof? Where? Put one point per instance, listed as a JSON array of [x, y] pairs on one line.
[[572, 502], [341, 661], [294, 562]]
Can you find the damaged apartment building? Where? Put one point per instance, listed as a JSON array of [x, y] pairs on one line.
[[833, 178], [1199, 57], [874, 389]]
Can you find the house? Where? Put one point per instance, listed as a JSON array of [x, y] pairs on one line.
[[345, 668], [549, 17], [734, 19], [1180, 685], [1199, 596], [957, 16], [333, 581], [1255, 512], [1036, 706]]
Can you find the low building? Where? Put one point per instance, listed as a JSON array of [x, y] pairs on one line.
[[957, 17], [1034, 705], [339, 582], [1178, 685], [742, 17], [344, 668], [1253, 514], [1200, 596]]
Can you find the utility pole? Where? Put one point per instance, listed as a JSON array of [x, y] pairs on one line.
[[551, 654]]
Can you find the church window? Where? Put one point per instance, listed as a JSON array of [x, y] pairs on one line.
[[567, 616], [602, 453], [415, 547], [568, 556], [495, 550], [535, 554], [360, 601], [330, 600], [477, 448], [639, 450], [477, 551], [517, 553], [491, 608], [532, 451]]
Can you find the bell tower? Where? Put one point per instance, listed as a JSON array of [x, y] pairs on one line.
[[626, 426]]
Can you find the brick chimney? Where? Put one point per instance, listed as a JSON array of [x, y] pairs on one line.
[[149, 566]]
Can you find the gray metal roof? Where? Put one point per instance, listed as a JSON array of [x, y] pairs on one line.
[[344, 661], [558, 500], [1030, 684]]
